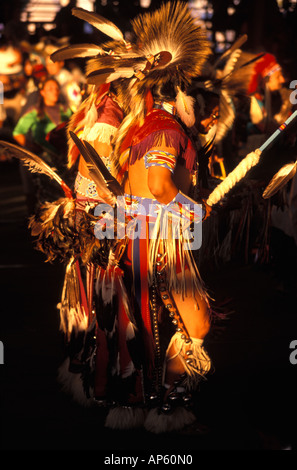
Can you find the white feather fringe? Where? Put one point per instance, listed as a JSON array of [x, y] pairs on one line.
[[185, 108], [123, 417], [158, 423], [72, 314], [72, 385], [166, 237]]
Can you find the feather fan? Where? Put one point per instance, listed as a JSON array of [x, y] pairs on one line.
[[279, 180]]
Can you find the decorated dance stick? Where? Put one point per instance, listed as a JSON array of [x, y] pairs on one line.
[[245, 165]]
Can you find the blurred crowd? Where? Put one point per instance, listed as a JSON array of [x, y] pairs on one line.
[[39, 97]]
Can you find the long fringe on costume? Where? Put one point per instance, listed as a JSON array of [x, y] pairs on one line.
[[167, 238]]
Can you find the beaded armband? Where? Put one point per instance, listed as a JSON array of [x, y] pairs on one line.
[[160, 158]]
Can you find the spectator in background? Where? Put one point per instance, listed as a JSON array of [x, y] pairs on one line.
[[265, 88], [35, 73], [70, 82], [33, 129], [12, 78], [270, 106]]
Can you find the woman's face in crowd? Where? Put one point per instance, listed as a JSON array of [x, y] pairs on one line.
[[50, 92]]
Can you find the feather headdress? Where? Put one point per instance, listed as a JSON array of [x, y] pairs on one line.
[[176, 41], [169, 46], [228, 78], [168, 42]]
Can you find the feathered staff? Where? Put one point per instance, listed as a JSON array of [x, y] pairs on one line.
[[245, 165], [235, 48]]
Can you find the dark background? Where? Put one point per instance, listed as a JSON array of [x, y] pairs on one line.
[[249, 403]]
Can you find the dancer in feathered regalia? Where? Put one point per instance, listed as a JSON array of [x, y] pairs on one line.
[[219, 93], [134, 308], [147, 376], [154, 159]]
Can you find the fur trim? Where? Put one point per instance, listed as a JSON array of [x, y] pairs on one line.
[[125, 417], [158, 422]]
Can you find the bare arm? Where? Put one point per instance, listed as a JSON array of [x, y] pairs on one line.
[[161, 185], [160, 182]]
